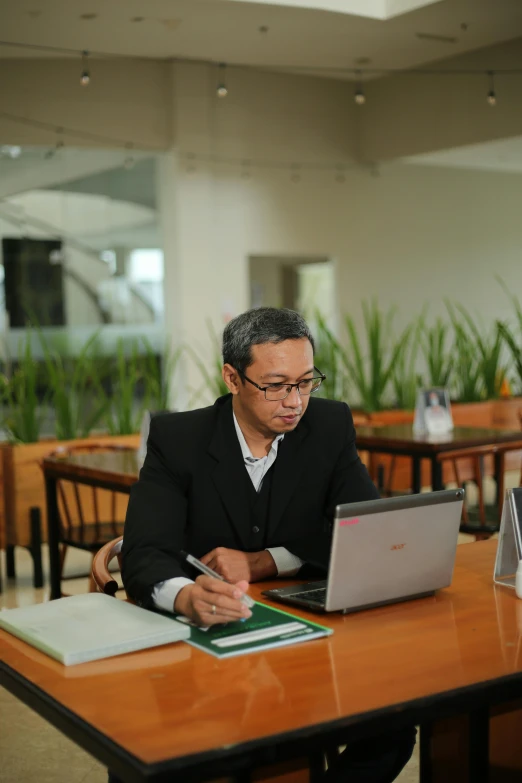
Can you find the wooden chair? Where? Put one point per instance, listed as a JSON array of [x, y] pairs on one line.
[[101, 576], [89, 516], [483, 520]]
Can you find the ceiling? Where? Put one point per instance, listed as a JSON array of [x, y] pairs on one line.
[[259, 34], [376, 9], [503, 155]]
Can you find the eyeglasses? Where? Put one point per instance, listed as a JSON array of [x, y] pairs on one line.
[[280, 391]]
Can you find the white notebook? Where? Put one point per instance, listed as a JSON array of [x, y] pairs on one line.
[[87, 627]]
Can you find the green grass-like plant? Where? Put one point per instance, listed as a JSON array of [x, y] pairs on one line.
[[159, 375], [488, 350], [406, 381], [74, 390], [510, 336], [23, 413], [328, 358], [212, 373], [437, 355], [124, 415], [467, 381], [370, 371]]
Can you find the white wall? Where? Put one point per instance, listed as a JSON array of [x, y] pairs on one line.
[[215, 215], [408, 113], [409, 235], [126, 102]]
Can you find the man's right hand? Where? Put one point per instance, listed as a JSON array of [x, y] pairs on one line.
[[209, 601]]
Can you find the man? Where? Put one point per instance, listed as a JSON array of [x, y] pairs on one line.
[[249, 486]]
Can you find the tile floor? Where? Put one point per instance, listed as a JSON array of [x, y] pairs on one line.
[[31, 750]]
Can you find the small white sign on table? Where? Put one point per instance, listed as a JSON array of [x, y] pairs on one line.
[[509, 550], [433, 412]]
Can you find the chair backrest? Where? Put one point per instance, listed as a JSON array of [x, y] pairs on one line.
[[80, 504], [100, 566]]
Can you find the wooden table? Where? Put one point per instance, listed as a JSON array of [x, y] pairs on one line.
[[176, 711], [113, 470], [399, 439]]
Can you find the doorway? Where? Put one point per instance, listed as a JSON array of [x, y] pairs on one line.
[[305, 284]]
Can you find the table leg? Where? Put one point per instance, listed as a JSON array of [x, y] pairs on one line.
[[436, 475], [500, 476], [425, 771], [415, 475], [53, 532], [10, 566], [478, 749]]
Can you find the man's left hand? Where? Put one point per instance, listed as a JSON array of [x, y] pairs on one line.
[[236, 566]]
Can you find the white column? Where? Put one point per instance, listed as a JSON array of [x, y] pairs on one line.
[[203, 287]]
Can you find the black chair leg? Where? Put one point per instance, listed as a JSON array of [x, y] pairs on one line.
[[35, 547]]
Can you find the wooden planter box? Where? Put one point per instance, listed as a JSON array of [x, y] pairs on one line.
[[21, 480]]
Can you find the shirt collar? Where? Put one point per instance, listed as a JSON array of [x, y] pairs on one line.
[[247, 454]]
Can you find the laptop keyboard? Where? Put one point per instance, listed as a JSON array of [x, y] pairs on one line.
[[318, 595]]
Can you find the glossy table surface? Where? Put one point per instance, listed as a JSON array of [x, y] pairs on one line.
[[175, 701], [117, 467], [401, 437]]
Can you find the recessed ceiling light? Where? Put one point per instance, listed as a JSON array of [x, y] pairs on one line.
[[439, 38], [88, 17]]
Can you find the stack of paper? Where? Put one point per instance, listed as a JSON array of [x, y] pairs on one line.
[[90, 626]]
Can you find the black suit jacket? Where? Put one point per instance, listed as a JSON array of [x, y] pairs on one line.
[[193, 491]]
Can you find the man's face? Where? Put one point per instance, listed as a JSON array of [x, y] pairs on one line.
[[273, 363]]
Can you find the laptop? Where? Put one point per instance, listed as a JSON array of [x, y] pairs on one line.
[[384, 551]]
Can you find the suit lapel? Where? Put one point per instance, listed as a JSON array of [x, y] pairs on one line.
[[230, 473], [289, 465]]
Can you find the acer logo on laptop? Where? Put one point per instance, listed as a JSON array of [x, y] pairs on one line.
[[397, 546], [351, 521]]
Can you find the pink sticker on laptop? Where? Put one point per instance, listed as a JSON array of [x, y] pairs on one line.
[[352, 521]]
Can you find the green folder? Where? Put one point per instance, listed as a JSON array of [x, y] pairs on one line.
[[267, 628]]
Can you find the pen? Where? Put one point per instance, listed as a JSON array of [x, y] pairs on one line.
[[245, 599]]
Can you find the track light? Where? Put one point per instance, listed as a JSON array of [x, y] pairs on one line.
[[492, 95], [222, 89], [359, 95], [85, 78]]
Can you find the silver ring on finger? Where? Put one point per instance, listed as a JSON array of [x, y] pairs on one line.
[[213, 609]]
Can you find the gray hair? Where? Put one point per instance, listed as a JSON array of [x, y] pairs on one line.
[[258, 326]]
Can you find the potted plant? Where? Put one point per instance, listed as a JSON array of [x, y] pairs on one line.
[[76, 389]]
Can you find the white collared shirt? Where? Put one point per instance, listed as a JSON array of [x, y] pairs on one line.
[[257, 467], [287, 564]]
